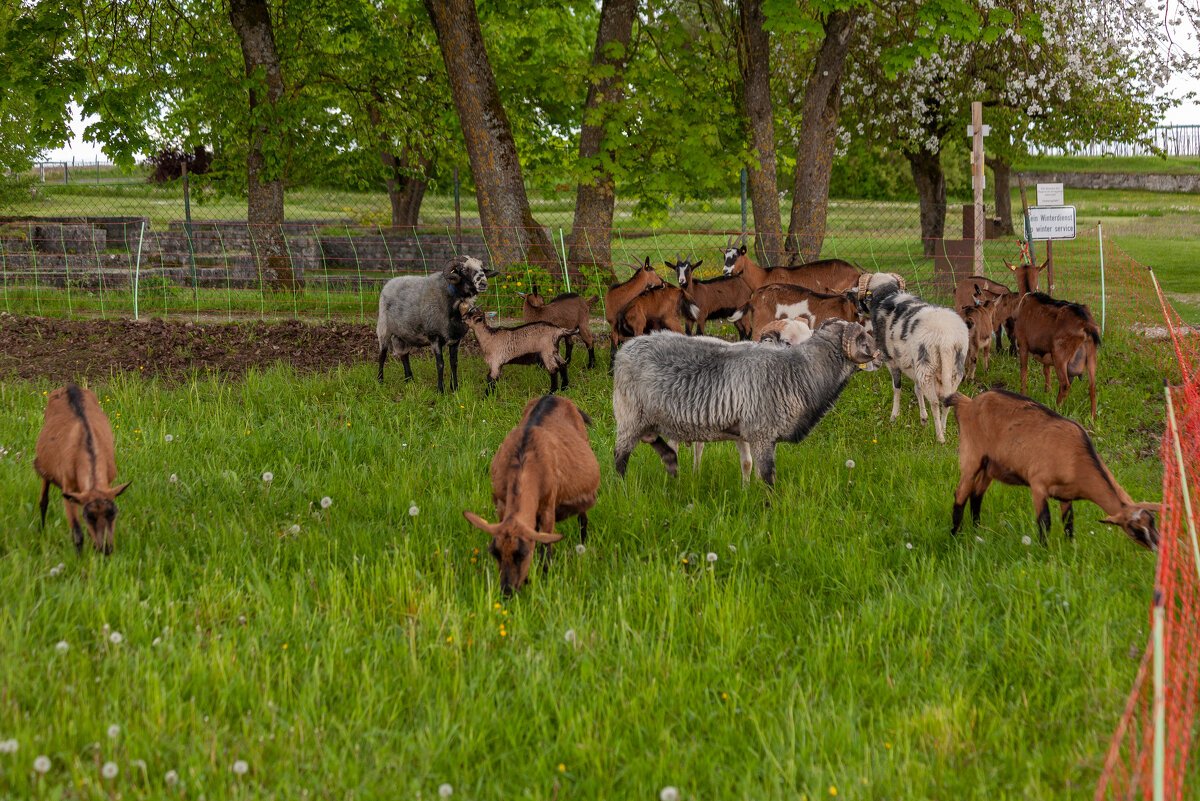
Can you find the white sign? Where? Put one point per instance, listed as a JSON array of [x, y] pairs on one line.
[[1051, 222], [1050, 195], [987, 129]]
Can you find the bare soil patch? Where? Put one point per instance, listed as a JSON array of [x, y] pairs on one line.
[[42, 348]]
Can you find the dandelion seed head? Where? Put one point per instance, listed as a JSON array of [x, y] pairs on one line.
[[1026, 540], [268, 477], [54, 571], [908, 545], [711, 557], [580, 548], [172, 778], [116, 638], [445, 790], [114, 731], [294, 528], [109, 771], [62, 646], [326, 502], [668, 793], [8, 746], [570, 635], [240, 767], [850, 464], [173, 478], [42, 764], [168, 438], [413, 511]]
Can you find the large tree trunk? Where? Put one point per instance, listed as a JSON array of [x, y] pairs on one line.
[[509, 227], [405, 190], [818, 138], [754, 68], [591, 241], [1002, 186], [251, 20], [931, 189]]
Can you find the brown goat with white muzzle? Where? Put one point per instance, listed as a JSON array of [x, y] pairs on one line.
[[1061, 335], [531, 343], [543, 473], [75, 452], [644, 277], [790, 302], [566, 311], [720, 297], [1007, 437]]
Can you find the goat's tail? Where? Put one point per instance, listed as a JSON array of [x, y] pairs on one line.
[[592, 301], [1093, 331], [957, 399], [740, 313], [564, 333]]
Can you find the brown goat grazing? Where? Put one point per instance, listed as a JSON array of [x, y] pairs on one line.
[[1059, 334], [531, 343], [980, 327], [544, 472], [75, 453], [1007, 437], [1027, 275], [619, 295], [656, 309], [566, 311], [720, 297], [790, 302]]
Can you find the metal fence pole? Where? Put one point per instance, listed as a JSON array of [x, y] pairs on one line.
[[743, 200], [187, 229], [137, 269], [563, 245], [1103, 296]]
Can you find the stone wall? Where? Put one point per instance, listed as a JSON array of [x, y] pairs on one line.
[[1148, 182]]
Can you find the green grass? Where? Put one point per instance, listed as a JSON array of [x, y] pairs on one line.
[[371, 654], [1175, 165]]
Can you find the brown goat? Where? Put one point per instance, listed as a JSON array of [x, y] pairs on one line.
[[531, 343], [568, 310], [1059, 334], [1027, 275], [790, 302], [619, 295], [544, 472], [980, 327], [720, 297], [1007, 437], [75, 453], [826, 275], [656, 309]]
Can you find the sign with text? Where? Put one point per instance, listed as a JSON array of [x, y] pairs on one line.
[[1051, 222], [1049, 194]]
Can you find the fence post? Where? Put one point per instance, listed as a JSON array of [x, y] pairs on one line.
[[1103, 297], [563, 245], [1160, 698], [743, 200], [1183, 482], [62, 240], [137, 269], [187, 229]]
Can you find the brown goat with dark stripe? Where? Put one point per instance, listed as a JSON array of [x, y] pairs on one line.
[[543, 473], [566, 311], [1061, 335], [75, 452], [790, 302]]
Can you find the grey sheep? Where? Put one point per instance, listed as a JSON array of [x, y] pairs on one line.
[[531, 343], [420, 310], [698, 389]]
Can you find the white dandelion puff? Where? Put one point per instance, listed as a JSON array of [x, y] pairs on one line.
[[172, 778], [168, 438], [62, 646], [445, 790], [294, 528], [240, 767], [42, 764], [8, 746], [711, 557], [113, 731], [326, 502], [116, 638], [569, 636], [1026, 540], [156, 641], [668, 793], [850, 464], [268, 477], [908, 545], [54, 571], [580, 549], [413, 511], [173, 479], [109, 771]]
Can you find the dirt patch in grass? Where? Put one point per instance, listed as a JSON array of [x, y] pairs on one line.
[[43, 348]]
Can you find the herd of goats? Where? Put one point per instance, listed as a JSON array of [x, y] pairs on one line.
[[805, 331]]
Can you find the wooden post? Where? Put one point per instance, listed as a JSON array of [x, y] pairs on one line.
[[1025, 215], [977, 180]]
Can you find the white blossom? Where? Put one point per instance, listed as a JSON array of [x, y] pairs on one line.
[[116, 638], [62, 646], [114, 731], [268, 477], [668, 793], [171, 778], [445, 790]]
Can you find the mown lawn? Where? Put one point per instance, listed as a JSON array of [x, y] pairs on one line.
[[842, 642]]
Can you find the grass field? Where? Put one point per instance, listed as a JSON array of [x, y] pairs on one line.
[[841, 644]]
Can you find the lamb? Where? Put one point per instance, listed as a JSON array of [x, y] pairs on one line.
[[789, 301], [75, 452], [1009, 438], [1059, 334], [531, 343], [568, 310], [702, 389], [419, 310], [619, 295], [721, 297], [826, 275], [543, 473], [785, 332], [927, 343]]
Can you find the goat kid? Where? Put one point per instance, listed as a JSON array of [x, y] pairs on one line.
[[543, 473], [1061, 335], [75, 452], [656, 309], [530, 343], [1006, 437], [568, 310], [644, 277], [785, 332]]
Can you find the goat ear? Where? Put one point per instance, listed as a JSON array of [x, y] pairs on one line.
[[543, 537], [647, 266], [1010, 265], [479, 523], [73, 499], [697, 264], [490, 273], [1112, 521], [118, 490]]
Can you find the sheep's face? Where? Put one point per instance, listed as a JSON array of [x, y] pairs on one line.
[[1138, 521], [468, 276], [512, 546], [99, 513], [857, 344]]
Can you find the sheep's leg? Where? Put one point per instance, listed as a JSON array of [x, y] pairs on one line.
[[453, 366], [764, 454], [697, 455], [436, 347], [627, 440], [746, 458], [895, 371], [73, 522], [665, 452], [383, 351], [1068, 518], [922, 392], [45, 499], [408, 373]]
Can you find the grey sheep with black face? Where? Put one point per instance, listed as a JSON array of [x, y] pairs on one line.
[[420, 310], [668, 386]]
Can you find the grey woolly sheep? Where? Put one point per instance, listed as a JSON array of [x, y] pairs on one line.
[[419, 310]]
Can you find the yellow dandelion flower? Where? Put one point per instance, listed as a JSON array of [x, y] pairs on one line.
[[832, 790], [887, 745], [562, 767], [285, 646], [449, 639], [496, 605]]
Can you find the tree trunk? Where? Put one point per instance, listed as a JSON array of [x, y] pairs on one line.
[[754, 68], [405, 191], [818, 138], [251, 20], [931, 189], [591, 240], [509, 227], [1001, 173]]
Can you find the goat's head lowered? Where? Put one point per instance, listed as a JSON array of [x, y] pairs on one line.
[[1138, 521], [99, 514], [857, 345], [512, 547]]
